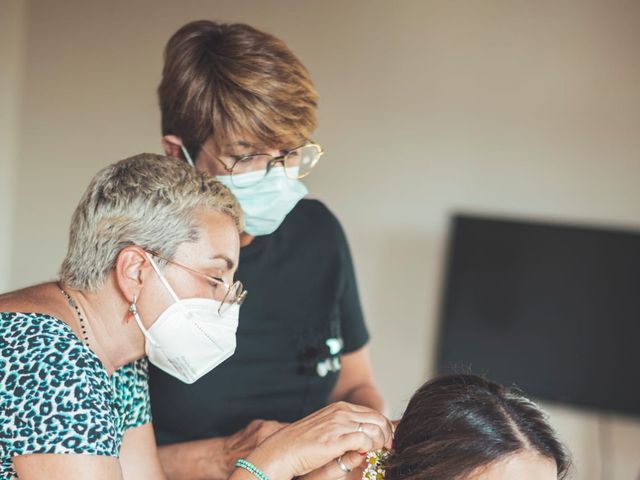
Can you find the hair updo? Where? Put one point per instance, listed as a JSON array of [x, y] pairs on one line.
[[457, 423]]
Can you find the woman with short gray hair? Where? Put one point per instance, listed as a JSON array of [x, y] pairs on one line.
[[153, 248]]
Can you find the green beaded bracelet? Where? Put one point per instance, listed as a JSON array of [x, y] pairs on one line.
[[251, 468]]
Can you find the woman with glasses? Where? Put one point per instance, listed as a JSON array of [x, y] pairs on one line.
[[153, 249], [238, 104]]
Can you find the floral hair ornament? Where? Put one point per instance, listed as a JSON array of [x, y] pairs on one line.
[[374, 469]]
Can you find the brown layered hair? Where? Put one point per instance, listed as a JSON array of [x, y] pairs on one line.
[[455, 424], [230, 81]]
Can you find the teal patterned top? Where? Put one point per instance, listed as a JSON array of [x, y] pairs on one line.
[[56, 396]]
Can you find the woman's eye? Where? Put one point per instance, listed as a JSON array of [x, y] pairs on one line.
[[255, 159]]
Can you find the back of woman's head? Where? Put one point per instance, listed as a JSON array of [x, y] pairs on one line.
[[456, 424]]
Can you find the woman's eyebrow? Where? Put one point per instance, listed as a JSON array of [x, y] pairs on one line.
[[239, 143], [228, 261], [248, 145]]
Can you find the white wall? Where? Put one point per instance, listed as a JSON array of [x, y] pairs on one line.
[[427, 107], [13, 15]]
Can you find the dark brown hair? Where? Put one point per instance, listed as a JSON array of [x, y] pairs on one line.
[[457, 423], [225, 80]]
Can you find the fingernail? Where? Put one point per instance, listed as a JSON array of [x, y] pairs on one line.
[[362, 453]]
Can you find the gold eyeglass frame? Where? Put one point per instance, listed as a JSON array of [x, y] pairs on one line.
[[274, 159], [240, 295]]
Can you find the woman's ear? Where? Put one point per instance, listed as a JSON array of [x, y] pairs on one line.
[[130, 271], [172, 146]]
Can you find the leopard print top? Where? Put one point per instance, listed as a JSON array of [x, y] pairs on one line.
[[55, 395]]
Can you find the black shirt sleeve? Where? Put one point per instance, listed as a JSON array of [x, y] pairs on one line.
[[354, 331]]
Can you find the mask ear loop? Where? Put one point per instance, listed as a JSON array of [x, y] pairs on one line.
[[162, 279], [164, 282], [133, 310], [187, 156]]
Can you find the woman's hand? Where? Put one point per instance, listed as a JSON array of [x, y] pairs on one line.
[[214, 458], [353, 461], [339, 430], [245, 441]]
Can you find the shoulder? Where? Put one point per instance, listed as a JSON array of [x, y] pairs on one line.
[[39, 338], [315, 217], [310, 207], [39, 353], [53, 387], [314, 225], [44, 298]]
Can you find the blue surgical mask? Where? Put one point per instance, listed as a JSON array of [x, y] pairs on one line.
[[266, 204]]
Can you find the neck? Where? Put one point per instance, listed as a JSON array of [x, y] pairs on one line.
[[245, 239], [112, 337]]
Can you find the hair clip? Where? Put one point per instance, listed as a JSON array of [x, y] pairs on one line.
[[375, 469]]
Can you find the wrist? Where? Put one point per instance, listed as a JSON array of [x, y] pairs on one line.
[[274, 466], [214, 461], [228, 454], [196, 459]]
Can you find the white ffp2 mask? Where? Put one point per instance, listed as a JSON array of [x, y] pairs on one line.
[[190, 338]]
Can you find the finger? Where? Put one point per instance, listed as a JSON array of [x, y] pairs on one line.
[[322, 473], [331, 471], [325, 413], [341, 406], [356, 442], [394, 426], [354, 407], [372, 418], [375, 432], [349, 420], [353, 460], [272, 427]]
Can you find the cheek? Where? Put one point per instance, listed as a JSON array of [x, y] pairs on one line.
[[152, 305], [208, 165], [155, 299], [203, 166], [187, 286]]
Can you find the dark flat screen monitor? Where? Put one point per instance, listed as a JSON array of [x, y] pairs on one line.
[[552, 309]]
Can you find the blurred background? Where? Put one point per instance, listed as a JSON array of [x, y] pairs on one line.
[[525, 109]]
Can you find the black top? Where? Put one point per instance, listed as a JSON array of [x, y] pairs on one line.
[[302, 292]]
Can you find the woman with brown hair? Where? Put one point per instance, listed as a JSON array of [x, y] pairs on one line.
[[238, 104], [463, 427]]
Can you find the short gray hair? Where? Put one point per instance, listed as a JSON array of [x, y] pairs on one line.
[[147, 200]]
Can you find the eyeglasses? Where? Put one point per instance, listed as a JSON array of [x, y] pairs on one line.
[[226, 294], [249, 170]]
